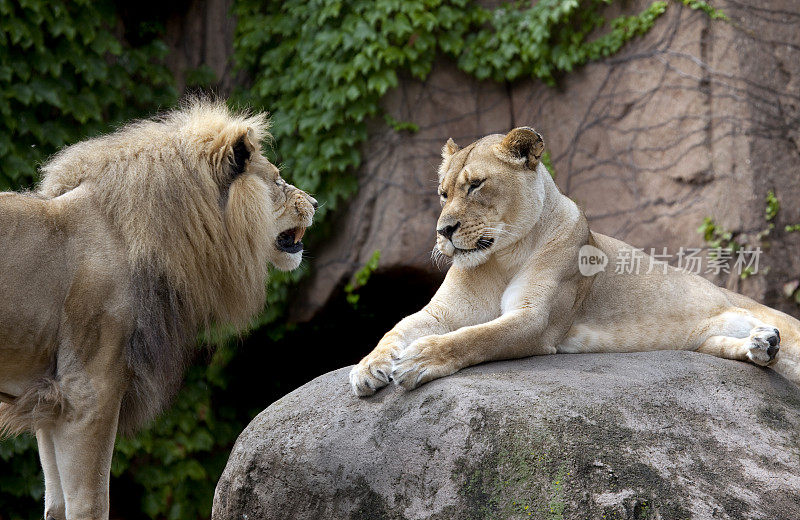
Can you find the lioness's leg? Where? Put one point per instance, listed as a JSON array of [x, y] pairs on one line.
[[738, 334], [786, 361], [373, 371], [54, 506], [760, 347], [453, 306], [514, 335], [534, 329]]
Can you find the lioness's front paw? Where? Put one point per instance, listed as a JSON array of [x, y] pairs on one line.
[[370, 375], [422, 361], [764, 345]]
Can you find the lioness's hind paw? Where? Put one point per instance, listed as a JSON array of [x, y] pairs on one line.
[[764, 345]]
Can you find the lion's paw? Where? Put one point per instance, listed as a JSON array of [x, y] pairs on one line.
[[764, 345], [370, 375], [420, 362]]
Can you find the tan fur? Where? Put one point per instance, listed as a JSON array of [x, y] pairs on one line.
[[132, 243], [515, 288]]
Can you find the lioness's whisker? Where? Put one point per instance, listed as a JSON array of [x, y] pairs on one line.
[[438, 258], [502, 232]]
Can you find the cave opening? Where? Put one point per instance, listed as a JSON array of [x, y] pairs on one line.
[[339, 335]]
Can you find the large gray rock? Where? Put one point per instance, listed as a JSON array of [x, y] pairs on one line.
[[660, 435]]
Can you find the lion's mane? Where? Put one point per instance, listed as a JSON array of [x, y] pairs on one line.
[[196, 240]]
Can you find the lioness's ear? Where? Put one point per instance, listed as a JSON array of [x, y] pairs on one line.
[[522, 144], [243, 148], [449, 148]]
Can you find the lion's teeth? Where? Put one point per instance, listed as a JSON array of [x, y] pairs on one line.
[[298, 235]]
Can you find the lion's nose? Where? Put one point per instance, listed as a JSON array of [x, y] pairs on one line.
[[448, 231], [313, 201]]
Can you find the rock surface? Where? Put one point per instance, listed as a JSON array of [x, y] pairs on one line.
[[659, 435], [698, 118]]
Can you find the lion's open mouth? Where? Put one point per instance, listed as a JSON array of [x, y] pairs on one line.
[[290, 241]]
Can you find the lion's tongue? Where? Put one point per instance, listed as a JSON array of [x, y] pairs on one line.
[[298, 234]]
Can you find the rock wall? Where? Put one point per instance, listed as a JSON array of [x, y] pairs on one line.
[[202, 35], [669, 435], [698, 118], [198, 33]]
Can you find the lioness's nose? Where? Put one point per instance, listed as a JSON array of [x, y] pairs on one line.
[[313, 201], [448, 231]]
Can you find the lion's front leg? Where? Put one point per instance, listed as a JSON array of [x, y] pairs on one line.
[[372, 372], [84, 452], [466, 297], [54, 505], [82, 441]]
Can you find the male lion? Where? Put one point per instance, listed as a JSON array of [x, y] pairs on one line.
[[515, 288], [132, 242]]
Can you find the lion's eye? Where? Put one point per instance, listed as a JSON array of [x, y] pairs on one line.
[[443, 195], [474, 185]]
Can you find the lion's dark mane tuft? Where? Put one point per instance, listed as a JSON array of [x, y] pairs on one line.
[[157, 351]]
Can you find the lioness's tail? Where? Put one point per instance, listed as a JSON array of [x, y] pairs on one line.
[[38, 406]]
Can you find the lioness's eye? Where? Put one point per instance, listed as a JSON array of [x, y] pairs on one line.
[[443, 195], [475, 185]]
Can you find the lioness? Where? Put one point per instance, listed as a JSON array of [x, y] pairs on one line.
[[515, 288], [131, 243]]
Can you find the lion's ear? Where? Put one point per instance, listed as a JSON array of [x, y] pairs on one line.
[[523, 144], [243, 148], [449, 148]]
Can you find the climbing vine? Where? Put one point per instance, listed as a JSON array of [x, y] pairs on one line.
[[550, 37], [360, 279], [322, 67], [718, 238], [65, 75]]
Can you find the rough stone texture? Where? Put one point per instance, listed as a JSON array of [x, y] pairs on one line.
[[659, 435], [197, 32], [203, 35], [698, 118]]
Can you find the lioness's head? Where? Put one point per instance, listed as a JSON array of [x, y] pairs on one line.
[[489, 194]]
